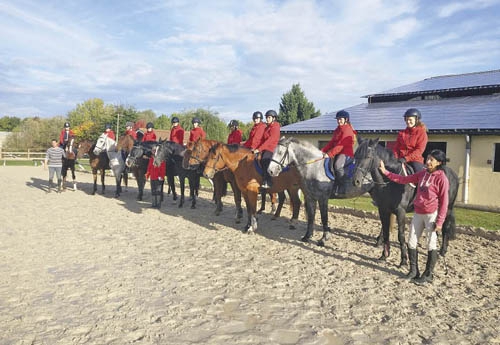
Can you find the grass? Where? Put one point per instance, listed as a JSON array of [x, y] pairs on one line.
[[464, 216]]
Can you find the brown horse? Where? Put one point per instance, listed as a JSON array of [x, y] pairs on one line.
[[97, 163], [241, 161]]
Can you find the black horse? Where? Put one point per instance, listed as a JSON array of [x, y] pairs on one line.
[[173, 154], [137, 160], [69, 161], [394, 198]]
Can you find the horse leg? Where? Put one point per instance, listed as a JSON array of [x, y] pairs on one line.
[[194, 191], [103, 175], [448, 231], [295, 203], [251, 201], [183, 186], [237, 201], [94, 175], [386, 223], [281, 201], [218, 189], [323, 209], [73, 174], [311, 214], [274, 201], [262, 208], [401, 219], [118, 179], [171, 186]]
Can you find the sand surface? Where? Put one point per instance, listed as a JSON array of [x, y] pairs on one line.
[[83, 269]]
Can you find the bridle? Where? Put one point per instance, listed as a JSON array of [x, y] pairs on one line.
[[285, 157], [198, 151]]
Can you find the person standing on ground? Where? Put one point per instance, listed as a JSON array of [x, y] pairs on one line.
[[54, 162], [431, 206], [156, 174]]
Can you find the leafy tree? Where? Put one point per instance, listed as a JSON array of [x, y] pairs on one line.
[[295, 107], [7, 123], [215, 128]]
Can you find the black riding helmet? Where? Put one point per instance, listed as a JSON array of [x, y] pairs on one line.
[[107, 126], [271, 113], [413, 112], [175, 119], [150, 125], [233, 123], [342, 114], [195, 120], [257, 115], [66, 125]]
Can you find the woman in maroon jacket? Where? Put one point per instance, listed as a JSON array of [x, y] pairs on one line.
[[411, 142], [269, 142], [340, 147]]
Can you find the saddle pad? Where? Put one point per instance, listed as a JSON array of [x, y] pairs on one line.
[[328, 173], [259, 170]]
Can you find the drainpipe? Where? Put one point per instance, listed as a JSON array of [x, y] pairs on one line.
[[467, 169]]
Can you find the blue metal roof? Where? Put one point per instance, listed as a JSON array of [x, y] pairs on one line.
[[466, 81], [452, 115]]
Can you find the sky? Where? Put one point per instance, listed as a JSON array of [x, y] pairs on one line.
[[232, 57]]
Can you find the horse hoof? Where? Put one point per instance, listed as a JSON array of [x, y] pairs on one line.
[[193, 207], [382, 258], [321, 243], [305, 239], [260, 211]]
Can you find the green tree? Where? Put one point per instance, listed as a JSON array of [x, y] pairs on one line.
[[8, 123], [215, 128], [295, 107]]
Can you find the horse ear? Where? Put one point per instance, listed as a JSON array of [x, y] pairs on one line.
[[359, 139]]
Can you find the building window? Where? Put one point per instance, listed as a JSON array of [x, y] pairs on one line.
[[435, 145], [496, 161]]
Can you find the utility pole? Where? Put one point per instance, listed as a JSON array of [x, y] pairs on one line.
[[118, 125]]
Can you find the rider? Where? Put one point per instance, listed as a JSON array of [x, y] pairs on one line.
[[269, 142], [150, 134], [236, 134], [109, 132], [411, 142], [129, 130], [66, 133], [431, 206], [197, 132], [176, 132], [339, 148], [257, 131]]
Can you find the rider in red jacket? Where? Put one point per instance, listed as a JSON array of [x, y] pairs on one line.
[[257, 131], [197, 132], [176, 132], [109, 132], [66, 133], [129, 130], [340, 147], [411, 142], [150, 134], [269, 142], [236, 134]]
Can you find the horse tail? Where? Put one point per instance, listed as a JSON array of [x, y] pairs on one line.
[[449, 225]]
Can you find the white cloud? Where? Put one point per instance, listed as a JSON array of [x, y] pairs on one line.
[[455, 7]]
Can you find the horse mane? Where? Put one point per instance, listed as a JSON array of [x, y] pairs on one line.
[[306, 144]]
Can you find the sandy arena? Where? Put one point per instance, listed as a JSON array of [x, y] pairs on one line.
[[83, 269]]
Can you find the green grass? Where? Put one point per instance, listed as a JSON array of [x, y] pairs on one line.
[[464, 216]]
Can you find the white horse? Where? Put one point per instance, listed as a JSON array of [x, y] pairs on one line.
[[116, 162]]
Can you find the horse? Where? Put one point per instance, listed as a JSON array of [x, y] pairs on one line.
[[393, 198], [116, 161], [196, 156], [173, 153], [318, 186], [242, 162], [138, 160], [97, 162], [69, 162]]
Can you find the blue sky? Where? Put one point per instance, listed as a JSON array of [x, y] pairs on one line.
[[232, 57]]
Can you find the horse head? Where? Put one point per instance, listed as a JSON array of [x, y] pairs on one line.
[[104, 143], [70, 148], [197, 153], [136, 152], [213, 162], [281, 157]]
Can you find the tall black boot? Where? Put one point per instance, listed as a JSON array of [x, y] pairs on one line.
[[50, 186], [59, 185], [427, 276], [154, 201], [414, 273]]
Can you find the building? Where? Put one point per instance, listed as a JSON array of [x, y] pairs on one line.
[[461, 112]]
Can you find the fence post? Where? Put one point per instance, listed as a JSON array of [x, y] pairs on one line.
[[28, 153]]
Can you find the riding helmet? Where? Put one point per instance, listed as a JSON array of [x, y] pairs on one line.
[[129, 124], [233, 123], [413, 112], [66, 125], [175, 119], [271, 113], [257, 115], [150, 125], [107, 126], [342, 114], [196, 120]]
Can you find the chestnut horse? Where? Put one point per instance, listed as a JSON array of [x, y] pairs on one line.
[[97, 162], [241, 161], [196, 155]]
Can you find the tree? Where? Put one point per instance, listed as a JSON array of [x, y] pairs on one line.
[[215, 128], [295, 107], [7, 123]]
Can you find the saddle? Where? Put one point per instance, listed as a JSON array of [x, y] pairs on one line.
[[348, 168], [406, 170]]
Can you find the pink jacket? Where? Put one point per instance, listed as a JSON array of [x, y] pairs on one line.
[[432, 192]]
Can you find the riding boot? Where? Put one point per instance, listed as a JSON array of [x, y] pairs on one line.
[[427, 276], [59, 185], [74, 185], [267, 181], [50, 186], [414, 273], [155, 201]]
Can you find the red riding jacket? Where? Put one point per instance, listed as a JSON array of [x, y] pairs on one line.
[[196, 133], [149, 136], [411, 143], [132, 133], [255, 136], [235, 137], [270, 138], [342, 141], [177, 135], [63, 138]]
